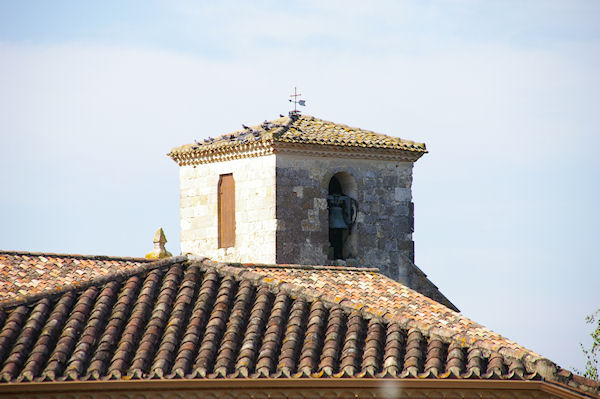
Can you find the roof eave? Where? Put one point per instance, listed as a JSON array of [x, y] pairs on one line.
[[199, 155], [311, 387]]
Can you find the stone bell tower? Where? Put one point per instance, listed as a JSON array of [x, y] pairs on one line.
[[301, 190]]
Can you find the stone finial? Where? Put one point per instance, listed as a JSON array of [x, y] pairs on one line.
[[159, 250]]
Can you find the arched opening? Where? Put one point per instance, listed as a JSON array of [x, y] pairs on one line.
[[343, 209]]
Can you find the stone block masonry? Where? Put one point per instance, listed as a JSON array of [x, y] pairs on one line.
[[281, 210], [282, 172], [254, 209], [383, 230], [282, 217]]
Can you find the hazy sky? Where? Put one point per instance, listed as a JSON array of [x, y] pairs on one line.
[[505, 94]]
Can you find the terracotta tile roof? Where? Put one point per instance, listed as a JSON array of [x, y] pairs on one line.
[[181, 318], [389, 299], [35, 273], [303, 129]]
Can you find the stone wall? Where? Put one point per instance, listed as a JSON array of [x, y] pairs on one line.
[[383, 230], [254, 209], [282, 217]]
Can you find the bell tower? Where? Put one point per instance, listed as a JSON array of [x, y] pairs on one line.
[[301, 190]]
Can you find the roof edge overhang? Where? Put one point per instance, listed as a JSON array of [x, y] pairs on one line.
[[310, 387], [269, 147], [198, 156]]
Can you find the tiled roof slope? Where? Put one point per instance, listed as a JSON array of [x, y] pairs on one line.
[[35, 273], [197, 319], [303, 129], [368, 290]]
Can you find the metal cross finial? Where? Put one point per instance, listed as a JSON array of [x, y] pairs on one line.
[[294, 99]]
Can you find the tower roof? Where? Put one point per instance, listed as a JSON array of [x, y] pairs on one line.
[[297, 129]]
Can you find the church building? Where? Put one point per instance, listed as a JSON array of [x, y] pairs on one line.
[[296, 279]]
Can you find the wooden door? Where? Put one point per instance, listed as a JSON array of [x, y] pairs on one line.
[[226, 211]]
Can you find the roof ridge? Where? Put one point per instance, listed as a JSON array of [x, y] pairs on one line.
[[100, 280], [280, 128], [80, 256], [307, 267]]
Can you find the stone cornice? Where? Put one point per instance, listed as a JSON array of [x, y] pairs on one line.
[[220, 154], [269, 147], [384, 154]]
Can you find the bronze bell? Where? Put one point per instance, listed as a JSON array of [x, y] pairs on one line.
[[336, 217]]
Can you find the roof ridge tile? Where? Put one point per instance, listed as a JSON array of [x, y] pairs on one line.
[[73, 256], [306, 267]]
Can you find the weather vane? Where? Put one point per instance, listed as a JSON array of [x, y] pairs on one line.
[[294, 99]]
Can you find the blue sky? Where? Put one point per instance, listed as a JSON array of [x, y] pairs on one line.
[[505, 94]]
